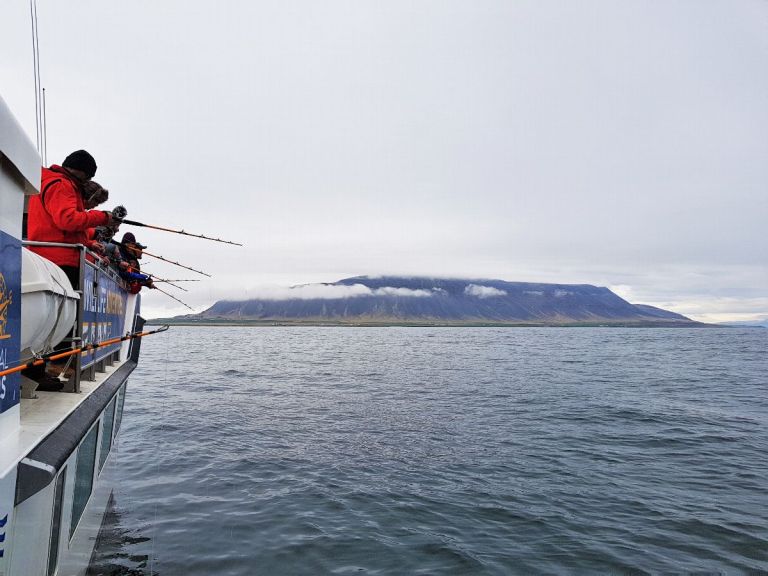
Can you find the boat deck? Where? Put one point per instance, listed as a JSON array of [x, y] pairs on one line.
[[42, 415]]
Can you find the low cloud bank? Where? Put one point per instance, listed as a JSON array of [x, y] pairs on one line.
[[391, 291], [483, 291], [332, 292], [336, 291], [719, 309]]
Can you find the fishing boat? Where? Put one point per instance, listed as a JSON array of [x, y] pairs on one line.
[[56, 447]]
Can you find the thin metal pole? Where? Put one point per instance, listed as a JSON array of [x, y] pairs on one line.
[[39, 75], [34, 68], [80, 316], [45, 133]]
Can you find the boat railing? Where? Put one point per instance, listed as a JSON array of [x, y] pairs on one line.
[[102, 303], [85, 251]]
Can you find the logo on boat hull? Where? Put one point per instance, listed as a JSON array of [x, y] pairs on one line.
[[2, 534], [6, 297]]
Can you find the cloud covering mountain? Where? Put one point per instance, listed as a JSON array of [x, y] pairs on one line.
[[419, 299], [332, 292]]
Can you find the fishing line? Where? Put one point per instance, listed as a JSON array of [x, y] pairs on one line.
[[157, 451], [174, 297]]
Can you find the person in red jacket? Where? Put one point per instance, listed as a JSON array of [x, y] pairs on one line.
[[59, 214]]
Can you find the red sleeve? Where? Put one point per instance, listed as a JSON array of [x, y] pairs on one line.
[[61, 203]]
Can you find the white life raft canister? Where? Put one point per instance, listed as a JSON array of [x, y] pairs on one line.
[[48, 304]]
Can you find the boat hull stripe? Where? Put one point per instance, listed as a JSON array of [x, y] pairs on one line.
[[42, 464]]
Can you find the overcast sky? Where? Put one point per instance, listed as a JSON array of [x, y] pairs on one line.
[[617, 143]]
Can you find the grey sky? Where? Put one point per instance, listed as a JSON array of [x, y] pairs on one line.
[[618, 143]]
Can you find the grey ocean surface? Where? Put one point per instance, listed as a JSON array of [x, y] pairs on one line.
[[443, 451]]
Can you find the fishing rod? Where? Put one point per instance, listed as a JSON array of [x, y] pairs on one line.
[[174, 297], [153, 277], [134, 223], [81, 350], [157, 279], [176, 263], [165, 280], [129, 248]]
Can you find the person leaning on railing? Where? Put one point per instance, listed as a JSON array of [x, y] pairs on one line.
[[60, 213], [125, 256]]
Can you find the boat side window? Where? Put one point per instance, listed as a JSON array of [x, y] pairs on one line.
[[86, 458], [106, 433], [120, 403], [58, 499]]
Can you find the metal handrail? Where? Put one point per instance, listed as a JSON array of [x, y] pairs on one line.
[[97, 257], [52, 244], [74, 384]]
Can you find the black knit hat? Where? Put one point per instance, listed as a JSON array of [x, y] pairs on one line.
[[82, 161]]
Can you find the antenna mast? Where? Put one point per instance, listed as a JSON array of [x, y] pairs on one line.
[[34, 66], [40, 127], [45, 133]]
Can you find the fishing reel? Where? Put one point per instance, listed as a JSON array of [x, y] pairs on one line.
[[119, 212], [104, 233]]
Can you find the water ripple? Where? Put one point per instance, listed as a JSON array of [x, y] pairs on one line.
[[444, 451]]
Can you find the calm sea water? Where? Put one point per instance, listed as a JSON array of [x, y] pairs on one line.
[[443, 451]]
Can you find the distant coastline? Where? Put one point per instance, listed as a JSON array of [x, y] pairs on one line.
[[220, 322], [425, 301]]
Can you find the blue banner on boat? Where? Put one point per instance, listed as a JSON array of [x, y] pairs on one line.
[[104, 303], [10, 317]]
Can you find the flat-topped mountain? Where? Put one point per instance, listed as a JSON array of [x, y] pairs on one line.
[[398, 299]]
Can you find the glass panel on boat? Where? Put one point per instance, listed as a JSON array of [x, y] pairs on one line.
[[120, 402], [106, 433], [86, 458], [58, 498]]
